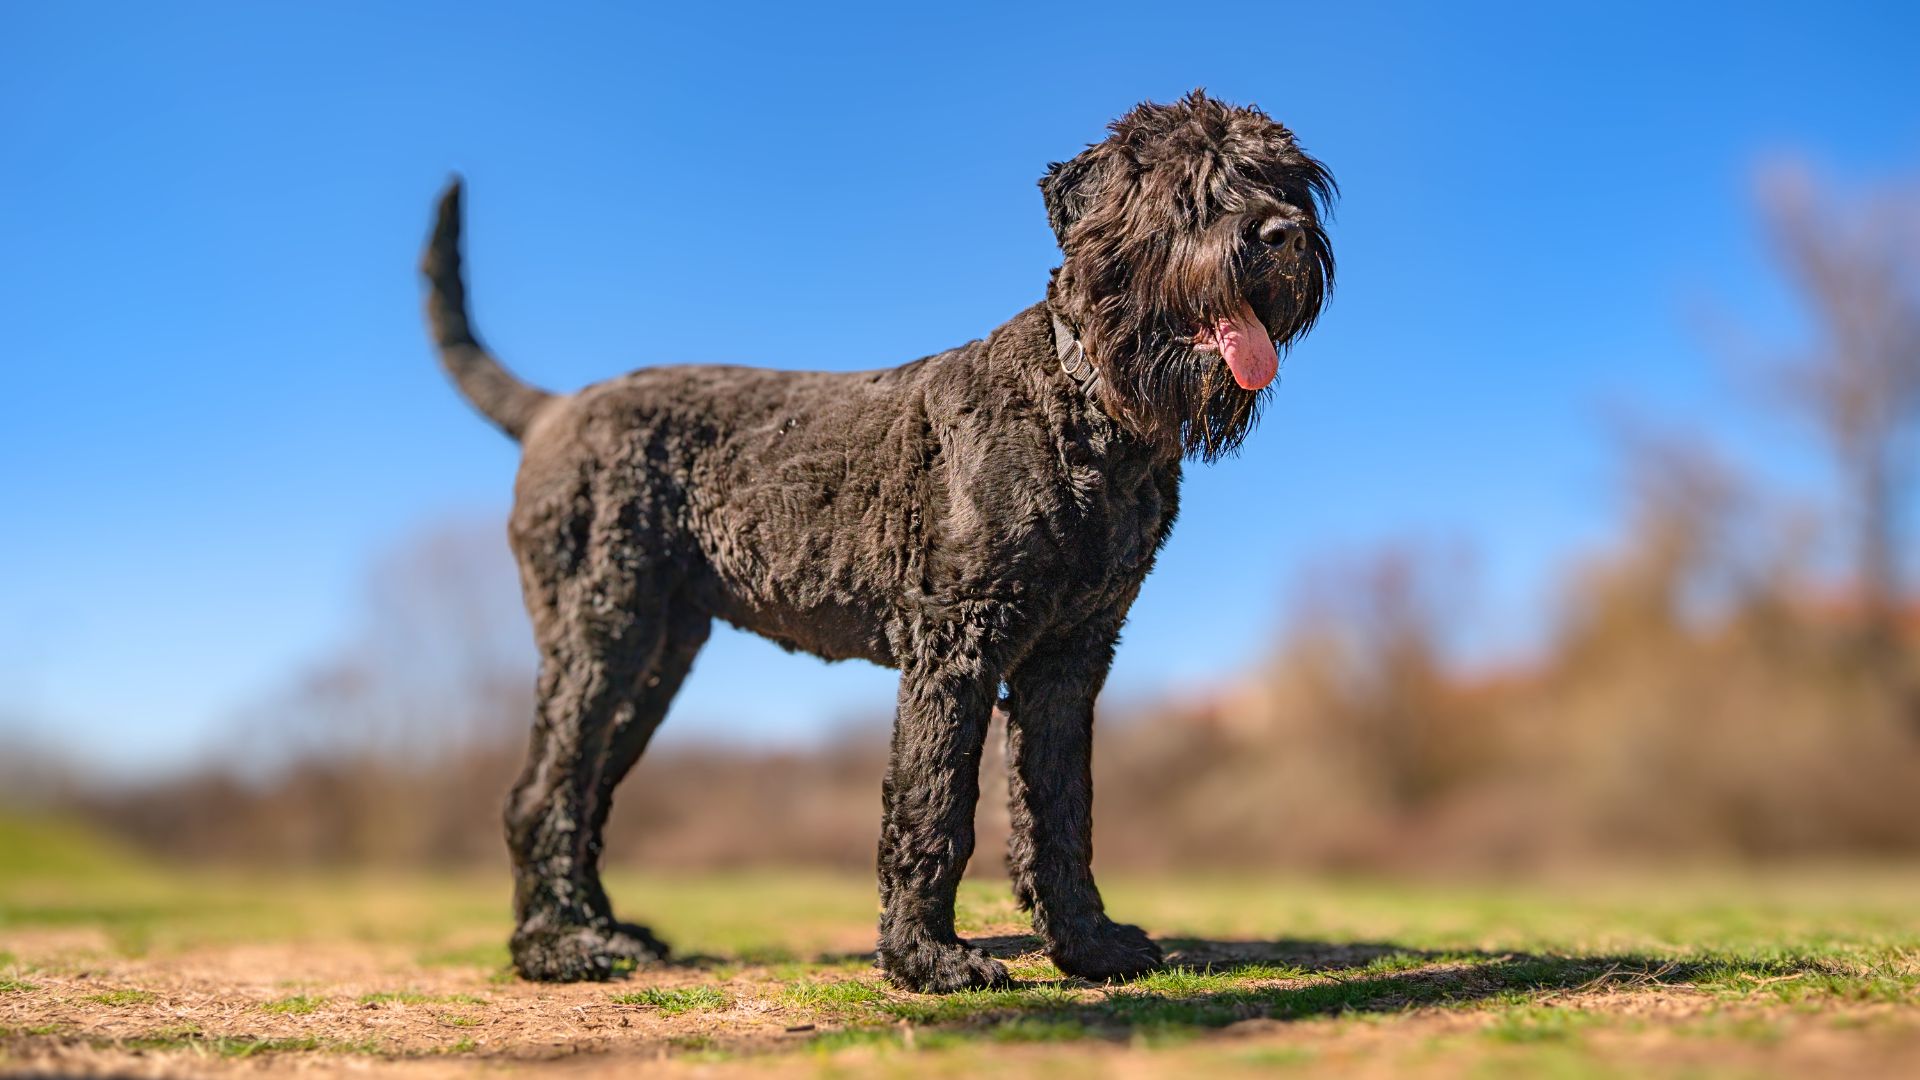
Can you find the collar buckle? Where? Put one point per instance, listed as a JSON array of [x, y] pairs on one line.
[[1073, 357]]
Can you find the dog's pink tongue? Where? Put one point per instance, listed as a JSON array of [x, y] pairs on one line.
[[1247, 349]]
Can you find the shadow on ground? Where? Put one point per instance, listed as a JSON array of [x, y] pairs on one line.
[[1212, 984], [1309, 957]]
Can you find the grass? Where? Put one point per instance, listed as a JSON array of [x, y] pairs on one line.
[[31, 1031], [396, 997], [974, 1004], [1673, 975], [119, 998], [675, 1002], [833, 998], [1536, 1024], [228, 1046], [415, 997]]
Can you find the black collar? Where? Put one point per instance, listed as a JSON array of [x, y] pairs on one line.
[[1073, 358]]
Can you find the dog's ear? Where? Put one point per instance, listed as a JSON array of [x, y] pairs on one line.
[[1070, 186]]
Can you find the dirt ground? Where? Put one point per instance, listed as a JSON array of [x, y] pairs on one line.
[[163, 974]]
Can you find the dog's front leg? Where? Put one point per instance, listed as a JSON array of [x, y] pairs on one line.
[[1050, 765], [926, 831]]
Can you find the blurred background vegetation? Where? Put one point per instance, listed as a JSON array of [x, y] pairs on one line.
[[1736, 677]]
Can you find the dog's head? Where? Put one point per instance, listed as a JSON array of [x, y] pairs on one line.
[[1194, 253]]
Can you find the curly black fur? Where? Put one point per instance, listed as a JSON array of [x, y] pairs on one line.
[[973, 518]]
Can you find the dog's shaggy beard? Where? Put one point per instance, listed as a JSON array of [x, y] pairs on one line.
[[1138, 298]]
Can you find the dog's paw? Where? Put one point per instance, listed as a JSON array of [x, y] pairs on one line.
[[584, 953], [942, 967], [1113, 951]]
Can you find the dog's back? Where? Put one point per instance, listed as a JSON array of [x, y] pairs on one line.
[[778, 501]]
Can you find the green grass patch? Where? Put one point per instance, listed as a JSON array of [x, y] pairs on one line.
[[675, 1002], [228, 1046], [1259, 973], [833, 997], [974, 1005], [1185, 982], [225, 1046], [16, 986], [397, 997], [885, 1039], [1038, 1029], [193, 1040], [1537, 1024], [297, 1005], [118, 998], [415, 997], [1393, 963], [30, 1031]]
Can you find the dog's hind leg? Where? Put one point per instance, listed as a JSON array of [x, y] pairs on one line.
[[687, 630], [614, 650], [926, 831], [1050, 765]]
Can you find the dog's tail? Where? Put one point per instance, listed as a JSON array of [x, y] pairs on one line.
[[505, 400]]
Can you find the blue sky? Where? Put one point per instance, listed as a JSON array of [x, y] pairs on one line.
[[220, 404]]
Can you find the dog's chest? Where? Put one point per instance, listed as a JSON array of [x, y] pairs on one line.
[[1118, 513], [1070, 518]]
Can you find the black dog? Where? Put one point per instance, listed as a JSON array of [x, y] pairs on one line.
[[979, 519]]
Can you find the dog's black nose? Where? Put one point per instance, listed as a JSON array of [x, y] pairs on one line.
[[1285, 233]]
